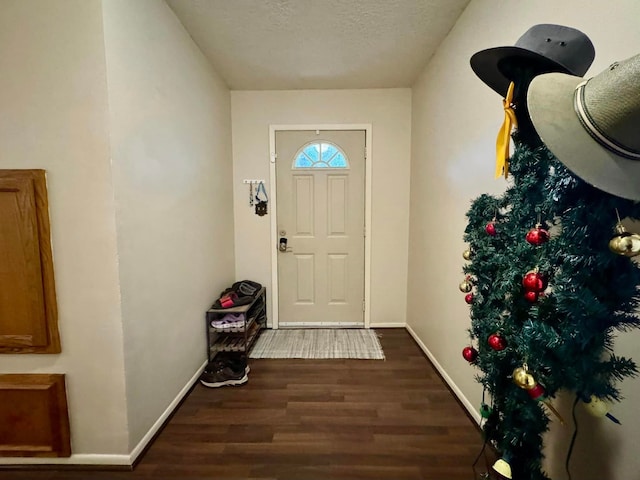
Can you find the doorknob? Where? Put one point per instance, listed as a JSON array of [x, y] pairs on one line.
[[282, 245]]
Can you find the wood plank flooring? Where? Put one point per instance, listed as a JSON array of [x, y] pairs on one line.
[[312, 420]]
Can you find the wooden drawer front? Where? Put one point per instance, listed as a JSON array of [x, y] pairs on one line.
[[34, 421]]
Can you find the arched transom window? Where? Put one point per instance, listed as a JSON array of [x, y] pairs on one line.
[[320, 155]]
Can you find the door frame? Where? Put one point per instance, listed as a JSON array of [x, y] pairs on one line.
[[273, 195]]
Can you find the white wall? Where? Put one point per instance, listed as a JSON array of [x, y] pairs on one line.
[[454, 125], [53, 99], [389, 112], [170, 121]]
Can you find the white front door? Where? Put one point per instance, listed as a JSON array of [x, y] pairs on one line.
[[320, 178]]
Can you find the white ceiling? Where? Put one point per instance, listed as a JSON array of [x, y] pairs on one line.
[[318, 44]]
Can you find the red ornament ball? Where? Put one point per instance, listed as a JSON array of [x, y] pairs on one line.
[[470, 354], [468, 298], [497, 342], [537, 235], [534, 281], [531, 296], [491, 228], [536, 392]]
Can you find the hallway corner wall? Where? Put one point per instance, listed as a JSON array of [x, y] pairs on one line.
[[170, 132], [53, 94]]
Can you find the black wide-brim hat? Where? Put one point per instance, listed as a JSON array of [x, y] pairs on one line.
[[545, 48]]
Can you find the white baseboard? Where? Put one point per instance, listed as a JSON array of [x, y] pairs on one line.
[[76, 459], [473, 411], [320, 325], [98, 459], [142, 444], [337, 325]]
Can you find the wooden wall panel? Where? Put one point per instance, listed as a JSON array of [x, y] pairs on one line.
[[34, 421], [28, 310]]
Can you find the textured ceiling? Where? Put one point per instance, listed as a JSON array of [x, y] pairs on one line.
[[318, 44]]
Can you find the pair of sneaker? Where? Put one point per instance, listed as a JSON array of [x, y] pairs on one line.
[[225, 370], [229, 321]]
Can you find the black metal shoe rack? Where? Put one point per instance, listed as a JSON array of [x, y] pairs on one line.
[[237, 339]]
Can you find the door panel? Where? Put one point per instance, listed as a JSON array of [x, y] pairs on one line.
[[34, 421], [305, 275], [303, 205], [321, 213], [28, 312], [21, 296], [337, 205], [338, 280]]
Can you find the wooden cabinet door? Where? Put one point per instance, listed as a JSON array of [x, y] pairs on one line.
[[28, 317], [34, 421]]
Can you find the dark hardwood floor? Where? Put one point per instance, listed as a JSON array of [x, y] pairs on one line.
[[313, 420]]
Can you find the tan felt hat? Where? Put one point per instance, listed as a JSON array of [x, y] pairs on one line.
[[593, 126]]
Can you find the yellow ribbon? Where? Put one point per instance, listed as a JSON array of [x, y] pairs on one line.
[[504, 135]]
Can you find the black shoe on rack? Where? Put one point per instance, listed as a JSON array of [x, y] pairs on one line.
[[222, 376], [237, 362]]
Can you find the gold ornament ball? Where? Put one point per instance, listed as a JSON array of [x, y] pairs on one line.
[[466, 254], [625, 243], [503, 468], [597, 407], [523, 379], [465, 286]]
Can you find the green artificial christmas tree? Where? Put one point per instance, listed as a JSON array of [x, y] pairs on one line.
[[546, 295]]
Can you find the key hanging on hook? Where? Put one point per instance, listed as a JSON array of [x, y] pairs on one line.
[[251, 194]]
